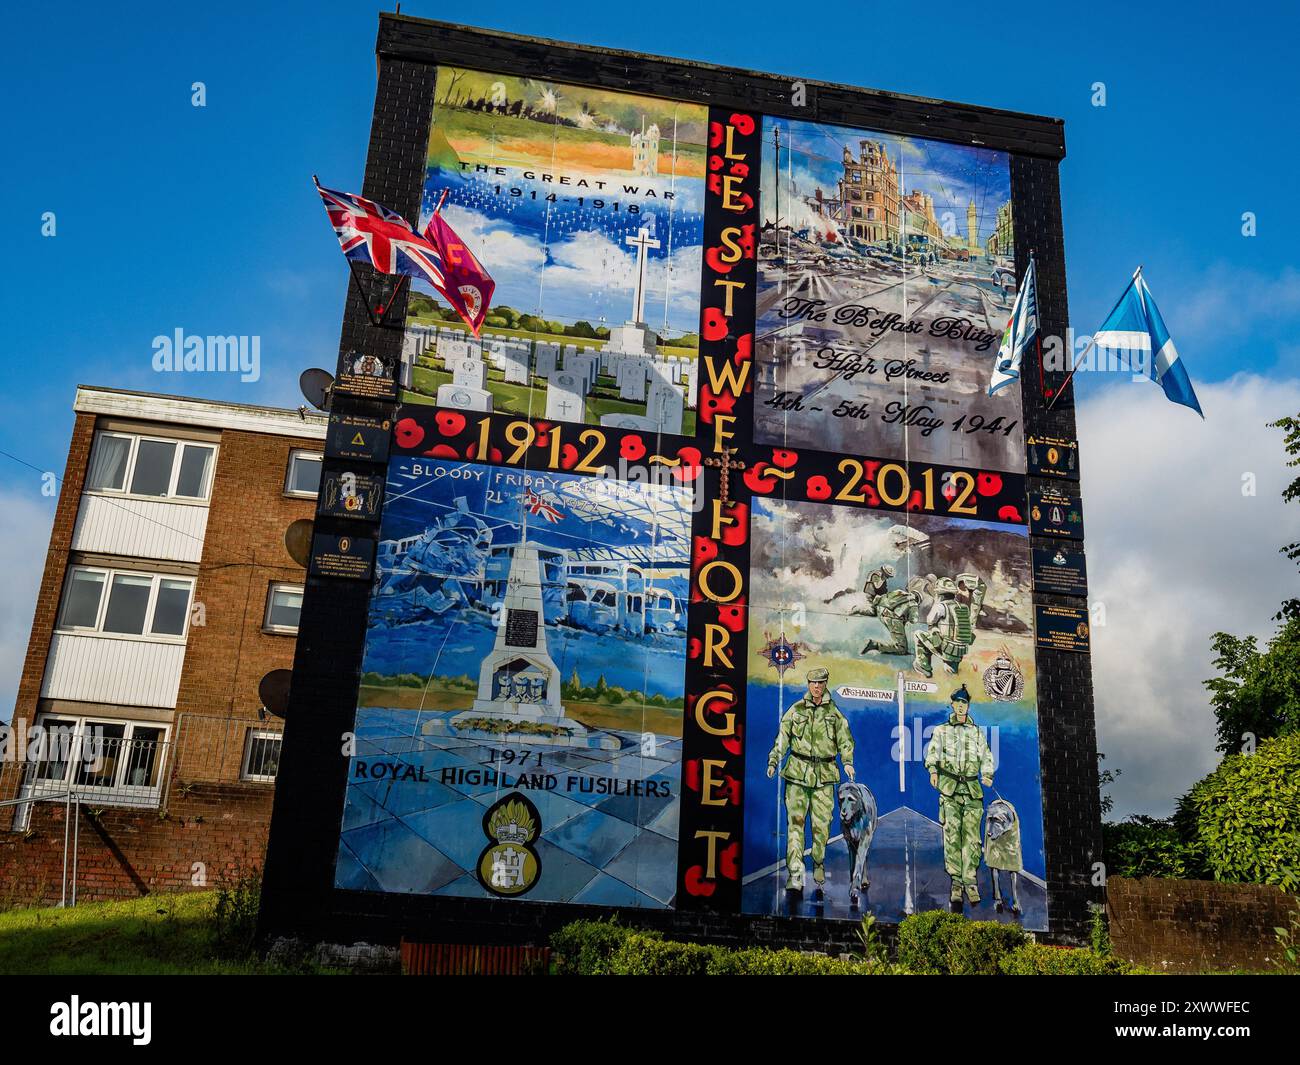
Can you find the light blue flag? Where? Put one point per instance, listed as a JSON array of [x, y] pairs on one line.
[[1021, 328], [1136, 333]]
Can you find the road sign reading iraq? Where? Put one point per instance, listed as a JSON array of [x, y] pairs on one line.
[[704, 577]]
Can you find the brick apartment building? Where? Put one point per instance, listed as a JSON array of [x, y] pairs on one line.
[[168, 594]]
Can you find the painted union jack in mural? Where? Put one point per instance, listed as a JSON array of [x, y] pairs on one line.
[[537, 505]]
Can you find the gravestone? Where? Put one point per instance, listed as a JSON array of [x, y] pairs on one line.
[[469, 372], [564, 397], [664, 407]]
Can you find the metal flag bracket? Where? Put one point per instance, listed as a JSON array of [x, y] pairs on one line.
[[378, 312]]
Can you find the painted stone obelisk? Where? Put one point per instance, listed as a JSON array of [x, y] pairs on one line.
[[518, 680]]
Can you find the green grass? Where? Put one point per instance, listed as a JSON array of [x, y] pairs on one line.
[[155, 935], [531, 402]]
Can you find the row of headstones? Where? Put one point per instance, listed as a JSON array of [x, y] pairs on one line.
[[664, 385]]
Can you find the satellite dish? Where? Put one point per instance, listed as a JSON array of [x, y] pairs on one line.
[[297, 540], [273, 690], [316, 385]]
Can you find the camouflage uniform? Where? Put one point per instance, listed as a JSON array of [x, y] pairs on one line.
[[960, 755], [952, 624], [812, 735], [894, 609]]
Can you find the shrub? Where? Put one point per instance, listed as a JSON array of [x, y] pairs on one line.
[[1034, 959], [978, 946], [1144, 846], [923, 940], [642, 955], [584, 948], [1246, 816]]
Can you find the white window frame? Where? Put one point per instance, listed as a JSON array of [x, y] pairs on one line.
[[259, 734], [109, 573], [171, 497], [294, 455], [147, 795], [272, 588]]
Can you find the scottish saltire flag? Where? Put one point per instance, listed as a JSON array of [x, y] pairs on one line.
[[1021, 328], [468, 286], [369, 232], [1135, 332]]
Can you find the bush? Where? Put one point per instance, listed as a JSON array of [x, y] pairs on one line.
[[1245, 816], [642, 955], [604, 948], [1144, 846], [584, 948], [923, 940], [978, 946], [1034, 959]]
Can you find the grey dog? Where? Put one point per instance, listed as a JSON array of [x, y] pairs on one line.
[[1002, 849], [858, 823]]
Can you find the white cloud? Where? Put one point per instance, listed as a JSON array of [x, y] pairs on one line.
[[24, 538], [1176, 553], [1229, 295]]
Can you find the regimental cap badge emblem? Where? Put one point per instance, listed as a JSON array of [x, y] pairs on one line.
[[509, 866]]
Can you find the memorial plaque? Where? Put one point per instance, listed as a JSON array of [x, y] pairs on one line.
[[351, 495], [1055, 512], [1061, 628], [353, 436], [521, 628], [366, 376], [1053, 456], [342, 556], [1060, 571]]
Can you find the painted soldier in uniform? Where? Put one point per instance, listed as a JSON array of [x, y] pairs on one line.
[[960, 761], [894, 609], [952, 622], [813, 732]]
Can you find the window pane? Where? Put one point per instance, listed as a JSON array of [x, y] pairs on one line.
[[108, 462], [193, 479], [304, 474], [170, 609], [142, 756], [286, 606], [263, 755], [101, 752], [128, 599], [153, 468], [81, 606], [53, 748]]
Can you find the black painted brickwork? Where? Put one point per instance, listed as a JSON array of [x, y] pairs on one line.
[[1066, 727]]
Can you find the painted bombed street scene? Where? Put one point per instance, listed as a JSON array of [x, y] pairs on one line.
[[519, 727], [892, 727], [886, 277], [589, 206]]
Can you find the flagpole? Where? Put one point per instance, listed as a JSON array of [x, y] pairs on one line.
[[1093, 340]]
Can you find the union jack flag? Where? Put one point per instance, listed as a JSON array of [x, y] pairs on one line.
[[369, 232], [537, 505]]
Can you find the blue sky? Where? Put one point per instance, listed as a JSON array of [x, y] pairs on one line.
[[171, 216]]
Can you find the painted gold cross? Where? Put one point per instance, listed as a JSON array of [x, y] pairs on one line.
[[726, 465]]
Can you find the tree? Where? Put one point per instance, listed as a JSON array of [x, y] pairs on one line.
[[1258, 694], [1105, 778], [1291, 494]]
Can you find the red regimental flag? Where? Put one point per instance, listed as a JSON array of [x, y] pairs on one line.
[[467, 285]]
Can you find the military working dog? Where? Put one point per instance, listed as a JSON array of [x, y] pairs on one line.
[[858, 823]]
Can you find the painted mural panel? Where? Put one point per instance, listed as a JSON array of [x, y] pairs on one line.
[[587, 205], [886, 277], [520, 719], [912, 771]]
